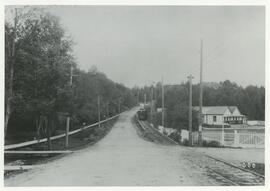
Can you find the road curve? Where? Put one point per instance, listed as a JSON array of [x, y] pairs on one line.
[[122, 158]]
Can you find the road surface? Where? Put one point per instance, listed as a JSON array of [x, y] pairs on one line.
[[122, 158]]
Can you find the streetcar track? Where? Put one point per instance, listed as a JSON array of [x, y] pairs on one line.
[[153, 134], [224, 172], [222, 176], [232, 165], [233, 174]]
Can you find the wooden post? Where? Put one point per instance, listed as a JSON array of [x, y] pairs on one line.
[[255, 139], [67, 130], [47, 125], [222, 135], [236, 139]]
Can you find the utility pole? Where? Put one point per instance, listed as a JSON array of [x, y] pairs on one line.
[[138, 98], [201, 97], [98, 111], [154, 102], [190, 77], [144, 99], [71, 75], [162, 92], [152, 97], [68, 117]]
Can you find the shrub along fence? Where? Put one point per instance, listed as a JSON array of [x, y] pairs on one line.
[[245, 138]]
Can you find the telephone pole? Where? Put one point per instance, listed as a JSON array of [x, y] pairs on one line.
[[144, 99], [71, 75], [190, 77], [201, 97], [162, 92], [68, 117], [152, 97], [138, 97]]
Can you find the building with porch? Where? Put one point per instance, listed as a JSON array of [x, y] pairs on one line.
[[221, 115]]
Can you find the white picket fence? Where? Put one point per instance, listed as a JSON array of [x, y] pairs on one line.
[[231, 138], [251, 140]]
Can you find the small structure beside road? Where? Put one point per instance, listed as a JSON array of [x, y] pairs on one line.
[[220, 115], [166, 130]]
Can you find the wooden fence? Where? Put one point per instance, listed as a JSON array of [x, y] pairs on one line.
[[28, 143], [229, 137]]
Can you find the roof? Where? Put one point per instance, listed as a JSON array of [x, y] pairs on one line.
[[215, 110], [232, 108]]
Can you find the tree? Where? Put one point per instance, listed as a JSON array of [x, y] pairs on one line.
[[39, 83], [40, 67], [10, 49], [250, 101]]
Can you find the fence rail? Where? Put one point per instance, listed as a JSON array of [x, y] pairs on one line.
[[251, 139], [229, 138], [28, 143]]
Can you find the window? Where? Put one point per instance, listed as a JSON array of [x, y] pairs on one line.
[[215, 118]]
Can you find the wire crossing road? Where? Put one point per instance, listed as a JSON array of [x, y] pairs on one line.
[[122, 158]]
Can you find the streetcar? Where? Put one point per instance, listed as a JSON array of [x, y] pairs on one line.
[[142, 114]]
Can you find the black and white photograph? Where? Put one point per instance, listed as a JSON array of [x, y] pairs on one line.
[[143, 95]]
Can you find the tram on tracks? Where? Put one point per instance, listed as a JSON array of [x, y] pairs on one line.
[[142, 114]]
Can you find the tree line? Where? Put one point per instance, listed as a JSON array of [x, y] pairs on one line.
[[39, 88], [250, 100]]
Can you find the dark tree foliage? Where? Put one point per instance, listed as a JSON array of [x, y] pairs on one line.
[[41, 82], [250, 101]]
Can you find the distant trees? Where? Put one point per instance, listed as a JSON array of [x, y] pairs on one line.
[[38, 61], [88, 86], [250, 101]]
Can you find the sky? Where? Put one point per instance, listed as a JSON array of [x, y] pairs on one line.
[[137, 45]]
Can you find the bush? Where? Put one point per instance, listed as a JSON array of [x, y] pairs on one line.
[[185, 142], [211, 144]]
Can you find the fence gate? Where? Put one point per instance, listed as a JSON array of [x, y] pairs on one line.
[[251, 140]]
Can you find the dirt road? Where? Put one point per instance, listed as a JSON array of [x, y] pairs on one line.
[[122, 158]]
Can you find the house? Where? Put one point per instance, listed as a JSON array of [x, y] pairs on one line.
[[221, 115]]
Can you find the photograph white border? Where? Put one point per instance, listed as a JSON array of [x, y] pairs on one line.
[[144, 3]]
